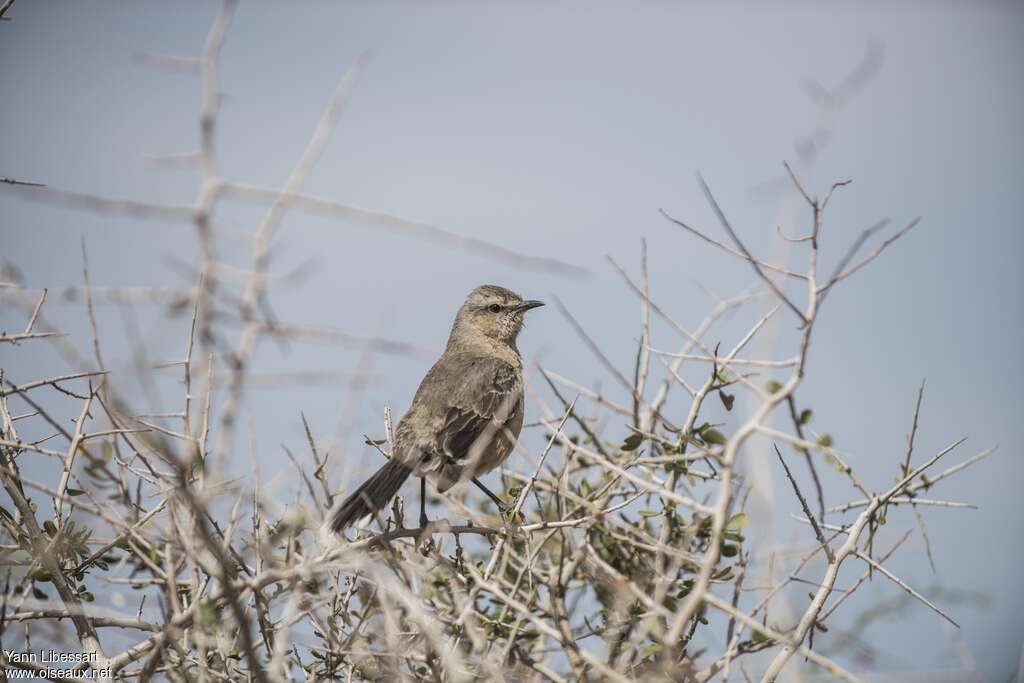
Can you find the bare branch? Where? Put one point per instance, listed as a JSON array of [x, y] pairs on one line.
[[807, 511], [755, 264]]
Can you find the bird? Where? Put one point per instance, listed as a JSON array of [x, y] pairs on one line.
[[466, 415]]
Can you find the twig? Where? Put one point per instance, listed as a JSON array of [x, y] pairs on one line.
[[899, 582], [755, 264], [843, 274], [807, 511]]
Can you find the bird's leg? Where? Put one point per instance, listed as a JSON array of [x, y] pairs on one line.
[[424, 543], [502, 508], [423, 503]]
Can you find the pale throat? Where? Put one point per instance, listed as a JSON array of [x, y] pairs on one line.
[[473, 340]]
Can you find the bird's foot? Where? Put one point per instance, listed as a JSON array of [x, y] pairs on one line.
[[425, 539], [425, 545]]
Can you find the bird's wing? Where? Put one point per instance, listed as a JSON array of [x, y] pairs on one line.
[[487, 397]]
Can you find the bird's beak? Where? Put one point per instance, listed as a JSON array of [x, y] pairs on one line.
[[527, 305]]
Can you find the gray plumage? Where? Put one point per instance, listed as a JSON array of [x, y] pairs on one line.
[[468, 411]]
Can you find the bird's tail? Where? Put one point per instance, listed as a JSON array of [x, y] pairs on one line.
[[373, 495]]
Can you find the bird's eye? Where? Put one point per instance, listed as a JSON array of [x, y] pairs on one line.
[[494, 308]]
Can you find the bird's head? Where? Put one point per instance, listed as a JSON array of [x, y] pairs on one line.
[[494, 312]]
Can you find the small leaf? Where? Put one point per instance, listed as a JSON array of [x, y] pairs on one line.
[[729, 550], [737, 521], [49, 528], [649, 513], [375, 442], [632, 442], [75, 492], [758, 636], [87, 596], [825, 441], [712, 436], [821, 627], [773, 387], [651, 649], [805, 415], [727, 399]]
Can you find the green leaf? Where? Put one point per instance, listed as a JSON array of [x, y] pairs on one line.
[[712, 436], [375, 442], [651, 649], [821, 627], [825, 441], [87, 596], [49, 528], [632, 442], [75, 492], [758, 636], [805, 415], [729, 550], [773, 387], [737, 521], [727, 399], [649, 513]]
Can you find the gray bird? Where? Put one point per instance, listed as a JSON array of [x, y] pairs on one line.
[[467, 413]]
